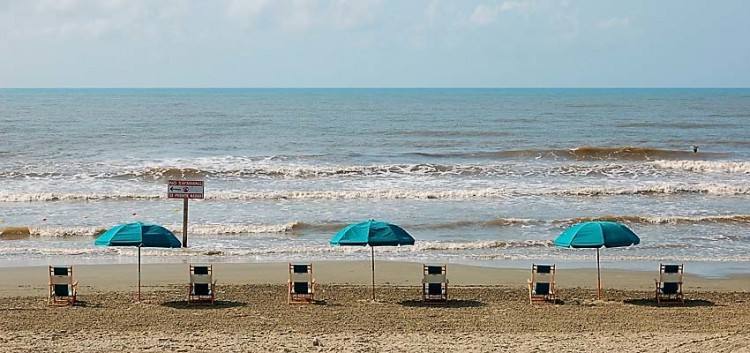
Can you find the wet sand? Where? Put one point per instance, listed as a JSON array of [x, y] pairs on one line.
[[488, 311]]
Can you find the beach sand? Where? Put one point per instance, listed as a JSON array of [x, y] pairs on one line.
[[488, 312]]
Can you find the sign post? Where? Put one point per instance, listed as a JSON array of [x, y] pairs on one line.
[[184, 221], [185, 190]]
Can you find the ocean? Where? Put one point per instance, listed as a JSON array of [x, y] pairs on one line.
[[478, 176]]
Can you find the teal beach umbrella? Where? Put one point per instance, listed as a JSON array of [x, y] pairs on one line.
[[138, 234], [373, 233], [596, 235]]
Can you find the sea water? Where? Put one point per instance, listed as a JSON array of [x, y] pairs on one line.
[[478, 176]]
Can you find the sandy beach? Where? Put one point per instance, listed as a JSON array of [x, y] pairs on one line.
[[488, 312]]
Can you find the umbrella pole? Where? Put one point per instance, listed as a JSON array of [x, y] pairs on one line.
[[372, 252], [598, 277], [139, 273]]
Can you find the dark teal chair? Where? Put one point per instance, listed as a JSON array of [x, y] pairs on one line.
[[202, 287], [542, 284], [301, 284], [434, 283], [62, 285], [669, 285]]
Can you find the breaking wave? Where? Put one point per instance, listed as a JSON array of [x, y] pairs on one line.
[[719, 189], [288, 172], [476, 245], [611, 160], [498, 222], [706, 166], [585, 153], [195, 229], [720, 219], [298, 227]]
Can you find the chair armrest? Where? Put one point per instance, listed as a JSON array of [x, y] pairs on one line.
[[75, 284]]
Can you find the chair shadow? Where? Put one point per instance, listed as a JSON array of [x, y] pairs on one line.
[[86, 304], [652, 303], [219, 304], [78, 304], [451, 303]]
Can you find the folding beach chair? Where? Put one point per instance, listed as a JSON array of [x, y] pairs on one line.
[[669, 284], [434, 283], [542, 284], [62, 286], [202, 287], [301, 284]]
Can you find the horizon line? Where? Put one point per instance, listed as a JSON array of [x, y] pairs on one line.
[[380, 87]]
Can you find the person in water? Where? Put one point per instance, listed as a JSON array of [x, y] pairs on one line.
[[695, 148]]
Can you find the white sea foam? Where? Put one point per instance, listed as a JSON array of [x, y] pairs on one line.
[[706, 166], [195, 229], [666, 188], [72, 196], [725, 219], [233, 167], [219, 229], [303, 227], [64, 231], [475, 245]]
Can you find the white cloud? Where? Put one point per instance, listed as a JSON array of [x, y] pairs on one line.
[[247, 12], [300, 15], [614, 22], [92, 19], [485, 14], [351, 14]]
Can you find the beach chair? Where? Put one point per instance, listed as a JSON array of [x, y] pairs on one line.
[[301, 284], [434, 283], [669, 284], [202, 287], [62, 286], [542, 284]]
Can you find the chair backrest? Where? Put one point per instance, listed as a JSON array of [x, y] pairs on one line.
[[61, 280], [201, 274], [300, 273], [61, 275], [670, 273], [542, 274], [434, 274]]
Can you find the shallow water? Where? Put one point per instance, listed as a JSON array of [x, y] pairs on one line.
[[485, 176]]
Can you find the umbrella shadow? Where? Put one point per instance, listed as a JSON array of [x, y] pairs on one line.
[[219, 304], [452, 303], [652, 302]]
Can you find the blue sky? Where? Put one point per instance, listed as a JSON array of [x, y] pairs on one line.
[[374, 43]]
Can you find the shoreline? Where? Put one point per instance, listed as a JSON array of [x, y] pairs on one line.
[[32, 280]]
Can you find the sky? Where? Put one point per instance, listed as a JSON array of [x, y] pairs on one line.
[[374, 43]]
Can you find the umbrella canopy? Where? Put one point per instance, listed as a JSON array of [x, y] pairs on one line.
[[140, 235], [596, 235], [373, 233]]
